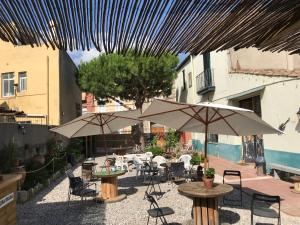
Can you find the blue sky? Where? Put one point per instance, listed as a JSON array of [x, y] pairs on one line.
[[84, 56]]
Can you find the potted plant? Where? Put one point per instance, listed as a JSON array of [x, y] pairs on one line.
[[208, 178]]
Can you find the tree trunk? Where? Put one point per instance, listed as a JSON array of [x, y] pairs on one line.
[[140, 127]]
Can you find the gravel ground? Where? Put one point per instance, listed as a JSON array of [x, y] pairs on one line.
[[51, 207]]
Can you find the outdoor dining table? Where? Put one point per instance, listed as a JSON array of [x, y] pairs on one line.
[[109, 186], [205, 201]]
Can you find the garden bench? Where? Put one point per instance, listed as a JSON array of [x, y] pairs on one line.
[[277, 168]]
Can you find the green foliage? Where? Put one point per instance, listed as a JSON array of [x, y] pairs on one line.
[[130, 77], [8, 155], [171, 139], [75, 147], [154, 140], [209, 173], [37, 177], [155, 150], [196, 159]]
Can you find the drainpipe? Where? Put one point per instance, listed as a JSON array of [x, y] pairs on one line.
[[48, 104], [193, 79]]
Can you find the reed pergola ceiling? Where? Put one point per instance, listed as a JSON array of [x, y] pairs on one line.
[[152, 26]]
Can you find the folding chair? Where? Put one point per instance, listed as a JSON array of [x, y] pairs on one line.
[[156, 212], [78, 187], [260, 206], [235, 173], [153, 172]]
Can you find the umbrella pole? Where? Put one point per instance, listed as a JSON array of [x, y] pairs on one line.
[[86, 146], [205, 141], [104, 139]]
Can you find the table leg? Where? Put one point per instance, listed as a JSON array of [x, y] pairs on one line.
[[206, 211], [109, 190]]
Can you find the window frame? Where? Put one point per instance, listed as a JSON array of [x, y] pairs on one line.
[[190, 78], [183, 78], [10, 94], [22, 78]]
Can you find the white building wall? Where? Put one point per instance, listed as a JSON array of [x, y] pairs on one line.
[[280, 98]]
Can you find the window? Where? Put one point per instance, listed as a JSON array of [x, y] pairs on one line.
[[183, 80], [22, 81], [206, 61], [190, 79], [7, 84], [214, 138]]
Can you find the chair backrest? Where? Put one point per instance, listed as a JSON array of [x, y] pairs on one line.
[[159, 159], [266, 198], [186, 159], [151, 200], [235, 173], [177, 169], [149, 153], [138, 163]]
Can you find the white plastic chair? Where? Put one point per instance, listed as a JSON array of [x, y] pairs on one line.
[[121, 163], [139, 166], [149, 155], [159, 160], [187, 161]]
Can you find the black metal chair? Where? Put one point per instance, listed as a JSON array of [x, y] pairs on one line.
[[79, 188], [177, 173], [153, 174], [156, 212], [235, 173], [260, 206]]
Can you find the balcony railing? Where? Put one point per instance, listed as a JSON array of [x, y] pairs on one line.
[[205, 82]]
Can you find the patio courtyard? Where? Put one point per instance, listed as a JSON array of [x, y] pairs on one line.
[[51, 205]]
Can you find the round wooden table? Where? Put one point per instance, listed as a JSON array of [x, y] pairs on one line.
[[205, 201], [109, 186], [296, 180]]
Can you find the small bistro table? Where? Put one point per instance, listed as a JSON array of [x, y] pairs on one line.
[[296, 180], [205, 201], [109, 186]]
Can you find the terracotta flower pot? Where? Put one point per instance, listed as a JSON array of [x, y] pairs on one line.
[[208, 182]]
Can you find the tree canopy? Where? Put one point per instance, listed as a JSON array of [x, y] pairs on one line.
[[130, 77]]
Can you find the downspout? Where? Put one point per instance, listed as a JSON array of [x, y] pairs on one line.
[[48, 97]]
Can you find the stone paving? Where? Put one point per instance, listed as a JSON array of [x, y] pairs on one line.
[[50, 207], [290, 201]]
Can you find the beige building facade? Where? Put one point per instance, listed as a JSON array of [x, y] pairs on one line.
[[40, 82], [268, 83]]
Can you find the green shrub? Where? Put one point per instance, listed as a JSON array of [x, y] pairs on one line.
[[209, 173], [171, 138], [155, 150], [8, 156], [196, 159], [36, 177], [75, 147]]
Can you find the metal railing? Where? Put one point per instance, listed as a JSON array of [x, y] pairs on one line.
[[205, 81]]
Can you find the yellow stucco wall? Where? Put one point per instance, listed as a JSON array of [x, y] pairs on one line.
[[39, 63]]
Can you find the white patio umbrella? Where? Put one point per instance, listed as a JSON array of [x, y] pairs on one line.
[[98, 123], [207, 118]]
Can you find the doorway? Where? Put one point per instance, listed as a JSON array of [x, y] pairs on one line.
[[252, 145]]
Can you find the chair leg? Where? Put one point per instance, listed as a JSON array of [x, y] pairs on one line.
[[69, 198], [148, 219], [279, 221], [156, 220], [251, 219]]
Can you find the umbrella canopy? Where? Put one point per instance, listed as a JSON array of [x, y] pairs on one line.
[[207, 118], [98, 123]]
